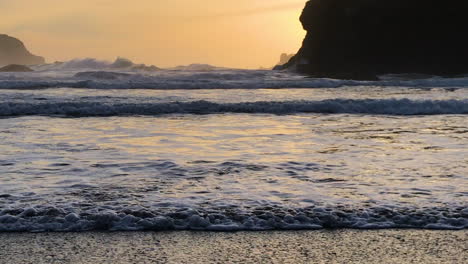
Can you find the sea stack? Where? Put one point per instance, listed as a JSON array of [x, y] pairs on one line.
[[361, 39], [13, 51]]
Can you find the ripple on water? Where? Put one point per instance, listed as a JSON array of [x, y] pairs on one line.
[[233, 172]]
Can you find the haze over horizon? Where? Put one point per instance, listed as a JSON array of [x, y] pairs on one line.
[[240, 34]]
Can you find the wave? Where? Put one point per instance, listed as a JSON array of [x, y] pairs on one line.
[[104, 75], [124, 74], [197, 67], [88, 63], [192, 81], [41, 219], [94, 64], [331, 106], [119, 63]]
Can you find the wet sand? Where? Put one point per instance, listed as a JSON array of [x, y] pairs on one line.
[[343, 246]]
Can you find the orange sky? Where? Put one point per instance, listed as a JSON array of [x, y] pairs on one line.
[[232, 33]]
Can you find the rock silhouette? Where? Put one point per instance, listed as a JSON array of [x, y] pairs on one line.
[[361, 39], [15, 68], [284, 59], [120, 63], [13, 51], [123, 63]]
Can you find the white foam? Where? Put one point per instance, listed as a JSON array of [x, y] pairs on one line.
[[172, 84], [53, 219], [197, 67], [91, 64], [77, 64], [76, 74]]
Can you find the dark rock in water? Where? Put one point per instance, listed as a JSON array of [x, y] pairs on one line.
[[361, 39], [13, 51], [121, 63], [15, 68], [284, 59], [126, 64]]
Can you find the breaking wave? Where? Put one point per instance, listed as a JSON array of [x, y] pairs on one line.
[[87, 64], [92, 82], [145, 77], [330, 106]]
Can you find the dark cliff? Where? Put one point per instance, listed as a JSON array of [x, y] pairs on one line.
[[360, 39], [13, 51]]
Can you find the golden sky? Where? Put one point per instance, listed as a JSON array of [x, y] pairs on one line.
[[232, 33]]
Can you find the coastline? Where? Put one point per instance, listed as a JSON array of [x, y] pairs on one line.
[[324, 246]]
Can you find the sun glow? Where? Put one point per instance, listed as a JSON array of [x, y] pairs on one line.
[[242, 33]]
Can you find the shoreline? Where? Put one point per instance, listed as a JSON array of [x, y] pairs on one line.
[[320, 246]]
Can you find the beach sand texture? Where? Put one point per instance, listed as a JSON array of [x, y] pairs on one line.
[[343, 246]]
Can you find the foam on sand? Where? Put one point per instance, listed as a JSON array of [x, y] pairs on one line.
[[46, 218]]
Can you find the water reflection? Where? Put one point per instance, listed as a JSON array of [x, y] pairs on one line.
[[241, 160]]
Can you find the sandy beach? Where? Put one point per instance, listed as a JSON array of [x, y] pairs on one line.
[[343, 246]]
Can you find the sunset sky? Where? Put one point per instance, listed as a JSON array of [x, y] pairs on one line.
[[233, 33]]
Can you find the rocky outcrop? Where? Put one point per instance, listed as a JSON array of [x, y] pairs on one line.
[[123, 63], [360, 39], [284, 59], [13, 51], [15, 68]]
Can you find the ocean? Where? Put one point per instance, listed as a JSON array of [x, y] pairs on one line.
[[85, 147]]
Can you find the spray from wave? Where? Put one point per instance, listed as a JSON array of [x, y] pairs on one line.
[[124, 74]]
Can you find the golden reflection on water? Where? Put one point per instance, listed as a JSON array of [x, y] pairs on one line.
[[208, 138], [292, 159]]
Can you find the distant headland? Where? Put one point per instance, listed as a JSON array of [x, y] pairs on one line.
[[361, 39], [13, 51]]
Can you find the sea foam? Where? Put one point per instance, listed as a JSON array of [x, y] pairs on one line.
[[56, 219], [101, 75]]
